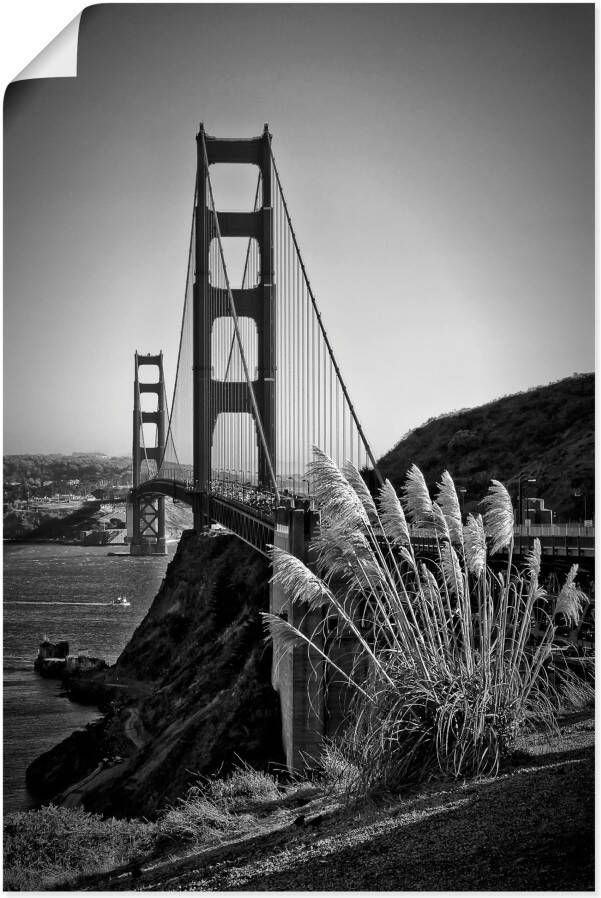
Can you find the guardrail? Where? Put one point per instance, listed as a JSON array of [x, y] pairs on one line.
[[555, 530], [556, 541]]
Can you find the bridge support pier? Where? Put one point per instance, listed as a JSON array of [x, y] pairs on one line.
[[314, 702], [297, 673], [146, 525], [146, 513]]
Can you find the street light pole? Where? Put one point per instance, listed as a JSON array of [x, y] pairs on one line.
[[522, 480], [580, 494]]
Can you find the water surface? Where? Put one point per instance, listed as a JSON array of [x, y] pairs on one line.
[[61, 592]]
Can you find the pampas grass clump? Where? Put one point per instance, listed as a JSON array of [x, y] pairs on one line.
[[449, 665]]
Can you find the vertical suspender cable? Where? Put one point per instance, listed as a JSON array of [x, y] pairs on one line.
[[318, 440], [289, 354], [322, 328], [309, 400], [343, 430], [302, 398]]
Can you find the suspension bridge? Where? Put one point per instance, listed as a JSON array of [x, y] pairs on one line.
[[257, 383], [257, 386]]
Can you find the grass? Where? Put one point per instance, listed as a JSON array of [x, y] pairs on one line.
[[216, 807], [245, 789], [55, 845], [452, 658]]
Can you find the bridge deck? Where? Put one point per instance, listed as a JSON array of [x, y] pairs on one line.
[[250, 512]]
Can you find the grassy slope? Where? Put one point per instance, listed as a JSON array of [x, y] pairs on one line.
[[56, 844], [489, 834], [547, 433]]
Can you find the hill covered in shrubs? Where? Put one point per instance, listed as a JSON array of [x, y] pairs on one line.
[[48, 475], [546, 433], [65, 467]]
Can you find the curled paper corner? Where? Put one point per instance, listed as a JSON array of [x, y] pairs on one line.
[[58, 59]]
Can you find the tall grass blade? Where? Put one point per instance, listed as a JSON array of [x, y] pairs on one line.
[[392, 516], [474, 540], [498, 516], [449, 503], [416, 497]]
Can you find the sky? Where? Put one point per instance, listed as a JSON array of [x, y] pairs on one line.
[[438, 162]]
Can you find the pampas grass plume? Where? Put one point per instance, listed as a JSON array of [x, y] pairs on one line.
[[498, 516]]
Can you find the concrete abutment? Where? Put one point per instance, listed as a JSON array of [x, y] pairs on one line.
[[313, 703]]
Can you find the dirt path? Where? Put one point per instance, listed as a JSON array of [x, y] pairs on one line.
[[134, 728], [71, 798], [101, 775]]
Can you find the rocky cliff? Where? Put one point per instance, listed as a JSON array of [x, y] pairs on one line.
[[190, 693]]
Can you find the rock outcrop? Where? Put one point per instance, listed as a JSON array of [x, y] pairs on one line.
[[190, 694], [54, 661]]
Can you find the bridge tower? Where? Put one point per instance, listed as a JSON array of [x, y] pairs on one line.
[[146, 513], [211, 396]]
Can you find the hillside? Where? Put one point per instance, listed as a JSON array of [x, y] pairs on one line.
[[546, 433], [37, 469]]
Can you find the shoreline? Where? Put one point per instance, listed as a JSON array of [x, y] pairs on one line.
[[41, 713], [184, 717], [66, 542], [43, 542], [38, 731]]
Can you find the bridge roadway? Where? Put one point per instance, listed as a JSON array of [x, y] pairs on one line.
[[249, 511], [570, 544]]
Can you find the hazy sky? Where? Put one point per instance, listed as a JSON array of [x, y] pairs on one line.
[[438, 162]]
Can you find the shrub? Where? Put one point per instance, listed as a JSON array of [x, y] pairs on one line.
[[55, 844], [449, 664], [245, 789], [218, 807], [197, 819], [463, 439]]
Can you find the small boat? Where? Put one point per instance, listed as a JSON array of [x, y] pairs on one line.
[[121, 600]]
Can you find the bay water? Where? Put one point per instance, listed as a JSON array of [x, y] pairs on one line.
[[61, 592]]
